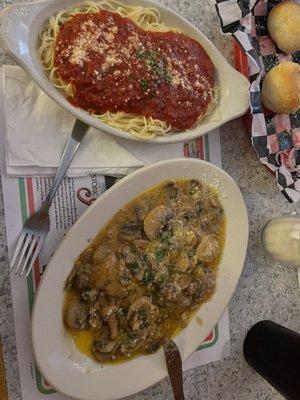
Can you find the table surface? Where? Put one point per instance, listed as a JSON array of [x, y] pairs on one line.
[[267, 290]]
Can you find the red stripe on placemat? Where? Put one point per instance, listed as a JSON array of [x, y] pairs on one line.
[[31, 209], [200, 148], [241, 64], [186, 150], [30, 198], [209, 337]]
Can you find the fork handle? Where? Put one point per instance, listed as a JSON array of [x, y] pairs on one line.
[[78, 132]]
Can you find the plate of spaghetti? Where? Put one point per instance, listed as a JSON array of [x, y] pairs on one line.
[[139, 72]]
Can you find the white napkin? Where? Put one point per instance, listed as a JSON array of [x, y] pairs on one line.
[[37, 131]]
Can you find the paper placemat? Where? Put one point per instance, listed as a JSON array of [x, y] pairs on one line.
[[22, 196]]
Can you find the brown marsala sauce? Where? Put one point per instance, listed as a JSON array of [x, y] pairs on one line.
[[146, 272]]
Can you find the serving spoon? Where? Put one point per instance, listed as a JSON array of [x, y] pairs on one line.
[[174, 366]]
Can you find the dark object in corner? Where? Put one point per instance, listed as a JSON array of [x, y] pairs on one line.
[[274, 352]]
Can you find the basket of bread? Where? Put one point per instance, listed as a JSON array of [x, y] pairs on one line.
[[268, 34]]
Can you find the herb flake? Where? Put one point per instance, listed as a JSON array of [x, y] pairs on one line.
[[133, 265], [148, 277], [160, 254], [144, 84]]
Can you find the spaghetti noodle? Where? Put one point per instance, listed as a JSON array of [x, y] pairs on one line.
[[86, 23]]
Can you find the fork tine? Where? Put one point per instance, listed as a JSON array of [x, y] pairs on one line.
[[29, 254], [23, 251], [35, 255], [18, 248]]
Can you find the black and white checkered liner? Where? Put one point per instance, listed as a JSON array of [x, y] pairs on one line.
[[276, 138]]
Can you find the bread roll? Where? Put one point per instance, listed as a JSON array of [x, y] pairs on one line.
[[281, 88], [284, 26]]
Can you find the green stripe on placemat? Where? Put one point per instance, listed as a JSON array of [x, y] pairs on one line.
[[213, 342], [206, 148], [30, 286], [24, 213], [39, 382]]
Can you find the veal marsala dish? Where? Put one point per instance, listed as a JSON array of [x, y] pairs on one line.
[[146, 272]]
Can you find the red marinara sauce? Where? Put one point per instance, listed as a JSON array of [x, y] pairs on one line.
[[114, 65]]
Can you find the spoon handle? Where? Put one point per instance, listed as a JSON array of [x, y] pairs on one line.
[[174, 366]]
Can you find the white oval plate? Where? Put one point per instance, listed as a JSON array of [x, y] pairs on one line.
[[59, 361], [20, 25]]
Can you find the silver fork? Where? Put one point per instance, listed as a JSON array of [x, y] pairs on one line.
[[37, 226]]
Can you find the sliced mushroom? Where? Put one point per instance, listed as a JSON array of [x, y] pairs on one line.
[[103, 345], [183, 237], [124, 273], [90, 295], [140, 245], [194, 288], [101, 252], [208, 249], [95, 319], [114, 327], [195, 184], [179, 260], [133, 343], [141, 209], [114, 288], [108, 311], [125, 252], [171, 189], [137, 269], [193, 210], [109, 314], [156, 220], [80, 276], [186, 301], [141, 313], [130, 230], [171, 291], [76, 316], [106, 271]]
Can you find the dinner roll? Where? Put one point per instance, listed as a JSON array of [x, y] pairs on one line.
[[281, 88], [284, 26]]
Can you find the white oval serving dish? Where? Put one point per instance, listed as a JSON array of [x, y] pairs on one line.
[[20, 25], [59, 361]]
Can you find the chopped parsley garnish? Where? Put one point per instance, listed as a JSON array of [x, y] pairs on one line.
[[144, 84], [157, 64], [132, 334], [162, 279], [160, 70], [159, 254], [140, 53], [133, 265], [148, 277], [168, 79]]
